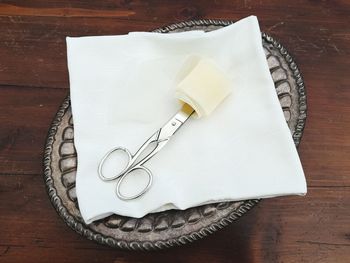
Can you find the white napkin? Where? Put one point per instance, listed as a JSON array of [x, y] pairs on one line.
[[122, 90]]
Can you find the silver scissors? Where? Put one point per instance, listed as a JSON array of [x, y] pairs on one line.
[[159, 139]]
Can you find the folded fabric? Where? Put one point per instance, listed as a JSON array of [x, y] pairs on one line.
[[204, 87], [123, 89]]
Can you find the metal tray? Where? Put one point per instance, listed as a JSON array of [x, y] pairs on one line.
[[174, 227]]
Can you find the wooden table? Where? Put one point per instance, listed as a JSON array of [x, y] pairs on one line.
[[34, 81]]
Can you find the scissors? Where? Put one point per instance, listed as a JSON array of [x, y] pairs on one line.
[[158, 140]]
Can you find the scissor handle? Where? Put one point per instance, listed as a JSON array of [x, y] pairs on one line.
[[129, 163], [144, 190]]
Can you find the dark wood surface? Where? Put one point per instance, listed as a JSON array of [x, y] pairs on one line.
[[34, 81]]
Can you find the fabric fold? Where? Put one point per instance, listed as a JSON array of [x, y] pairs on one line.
[[123, 89]]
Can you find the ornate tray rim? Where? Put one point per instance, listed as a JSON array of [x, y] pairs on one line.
[[246, 206]]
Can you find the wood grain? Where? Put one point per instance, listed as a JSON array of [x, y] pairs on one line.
[[34, 81], [277, 229], [26, 114]]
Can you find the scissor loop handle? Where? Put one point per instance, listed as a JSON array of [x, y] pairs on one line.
[[144, 190], [100, 166]]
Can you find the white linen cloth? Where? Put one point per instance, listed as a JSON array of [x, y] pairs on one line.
[[122, 90]]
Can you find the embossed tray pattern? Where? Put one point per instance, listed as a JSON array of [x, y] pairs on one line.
[[174, 227]]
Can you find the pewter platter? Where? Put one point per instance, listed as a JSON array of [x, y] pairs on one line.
[[175, 227]]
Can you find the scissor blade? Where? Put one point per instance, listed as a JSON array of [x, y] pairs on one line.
[[162, 136], [175, 123], [185, 112]]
